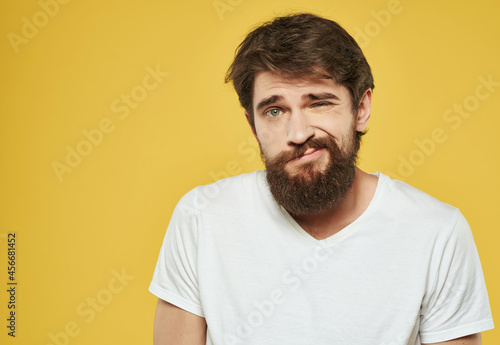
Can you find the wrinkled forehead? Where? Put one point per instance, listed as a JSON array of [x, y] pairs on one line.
[[274, 90], [266, 83]]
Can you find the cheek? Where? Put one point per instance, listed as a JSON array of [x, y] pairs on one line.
[[340, 128], [272, 134]]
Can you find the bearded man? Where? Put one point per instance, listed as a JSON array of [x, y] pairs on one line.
[[313, 250]]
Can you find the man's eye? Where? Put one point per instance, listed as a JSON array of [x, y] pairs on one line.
[[274, 112], [320, 104]]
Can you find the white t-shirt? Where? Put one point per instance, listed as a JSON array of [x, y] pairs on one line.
[[406, 271]]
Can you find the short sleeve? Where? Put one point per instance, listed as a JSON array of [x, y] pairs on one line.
[[457, 302], [175, 278]]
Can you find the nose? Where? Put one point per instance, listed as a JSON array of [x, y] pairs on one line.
[[299, 130]]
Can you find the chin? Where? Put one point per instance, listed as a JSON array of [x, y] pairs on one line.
[[316, 167]]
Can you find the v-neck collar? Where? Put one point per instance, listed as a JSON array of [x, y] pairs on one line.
[[381, 183]]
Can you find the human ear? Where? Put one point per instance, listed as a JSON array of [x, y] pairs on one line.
[[364, 110]]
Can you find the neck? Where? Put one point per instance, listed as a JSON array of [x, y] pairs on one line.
[[326, 223]]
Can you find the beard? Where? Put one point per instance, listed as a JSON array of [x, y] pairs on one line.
[[311, 188]]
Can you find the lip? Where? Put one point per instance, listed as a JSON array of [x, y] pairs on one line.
[[309, 155]]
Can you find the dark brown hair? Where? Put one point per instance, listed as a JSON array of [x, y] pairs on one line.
[[300, 46]]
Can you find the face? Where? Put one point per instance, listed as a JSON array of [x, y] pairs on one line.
[[307, 134]]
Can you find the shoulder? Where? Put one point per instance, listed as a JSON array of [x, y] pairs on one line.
[[402, 197], [226, 192], [413, 212]]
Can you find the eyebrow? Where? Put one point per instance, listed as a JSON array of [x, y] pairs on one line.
[[317, 96], [311, 96]]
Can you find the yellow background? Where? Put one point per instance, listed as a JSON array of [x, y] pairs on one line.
[[110, 212]]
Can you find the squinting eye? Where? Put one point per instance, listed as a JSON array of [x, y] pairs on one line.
[[274, 112], [319, 104]]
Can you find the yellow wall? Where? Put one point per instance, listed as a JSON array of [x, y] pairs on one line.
[[67, 68]]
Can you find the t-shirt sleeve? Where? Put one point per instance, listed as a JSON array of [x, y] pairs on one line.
[[175, 278], [457, 303]]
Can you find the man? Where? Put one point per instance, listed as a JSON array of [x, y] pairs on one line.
[[313, 250]]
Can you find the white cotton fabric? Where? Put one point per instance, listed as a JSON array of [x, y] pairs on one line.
[[405, 272]]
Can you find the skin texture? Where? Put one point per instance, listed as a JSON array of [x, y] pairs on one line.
[[175, 326]]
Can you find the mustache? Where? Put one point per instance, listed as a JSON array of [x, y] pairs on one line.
[[300, 150]]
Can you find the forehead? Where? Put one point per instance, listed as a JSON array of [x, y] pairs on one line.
[[268, 83]]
